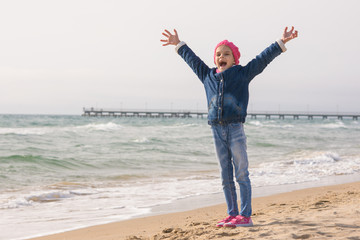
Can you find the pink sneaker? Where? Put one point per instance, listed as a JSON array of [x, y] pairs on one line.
[[239, 221], [225, 220]]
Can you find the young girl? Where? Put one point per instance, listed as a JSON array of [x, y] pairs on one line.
[[227, 92]]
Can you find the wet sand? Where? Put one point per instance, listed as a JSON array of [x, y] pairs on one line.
[[330, 212]]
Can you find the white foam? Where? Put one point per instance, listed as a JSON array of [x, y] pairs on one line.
[[335, 125], [82, 205], [110, 126], [61, 210], [304, 168], [255, 123], [269, 124], [26, 131], [182, 125], [141, 140], [49, 197]]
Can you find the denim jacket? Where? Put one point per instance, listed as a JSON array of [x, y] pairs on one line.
[[227, 92]]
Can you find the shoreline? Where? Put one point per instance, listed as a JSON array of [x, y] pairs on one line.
[[208, 200], [191, 218]]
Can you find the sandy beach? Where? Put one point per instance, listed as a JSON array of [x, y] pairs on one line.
[[331, 212]]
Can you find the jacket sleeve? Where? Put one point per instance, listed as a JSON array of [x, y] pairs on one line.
[[195, 63], [259, 63]]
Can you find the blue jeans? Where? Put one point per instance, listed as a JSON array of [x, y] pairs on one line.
[[230, 145]]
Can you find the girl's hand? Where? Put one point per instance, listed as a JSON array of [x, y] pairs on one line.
[[287, 36], [171, 39]]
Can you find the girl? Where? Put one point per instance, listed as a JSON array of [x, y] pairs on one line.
[[227, 93]]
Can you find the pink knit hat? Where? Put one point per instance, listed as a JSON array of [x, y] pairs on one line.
[[234, 50]]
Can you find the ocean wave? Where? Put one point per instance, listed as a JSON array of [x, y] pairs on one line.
[[308, 167], [39, 163], [110, 126], [49, 197], [28, 201], [26, 131], [270, 124], [141, 140], [255, 123], [22, 158], [182, 125], [67, 185], [9, 201], [47, 130], [338, 124]]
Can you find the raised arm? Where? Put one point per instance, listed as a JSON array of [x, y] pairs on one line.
[[258, 64], [195, 63]]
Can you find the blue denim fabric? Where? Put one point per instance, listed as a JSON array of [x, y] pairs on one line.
[[227, 92], [230, 145]]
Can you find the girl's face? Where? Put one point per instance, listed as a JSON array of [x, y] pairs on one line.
[[224, 58]]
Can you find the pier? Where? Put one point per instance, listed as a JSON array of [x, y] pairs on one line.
[[102, 112]]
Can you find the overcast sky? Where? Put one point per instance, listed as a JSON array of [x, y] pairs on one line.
[[57, 57]]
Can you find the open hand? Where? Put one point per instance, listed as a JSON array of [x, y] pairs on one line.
[[288, 35], [171, 39]]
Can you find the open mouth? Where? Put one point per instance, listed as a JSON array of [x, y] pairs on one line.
[[222, 64]]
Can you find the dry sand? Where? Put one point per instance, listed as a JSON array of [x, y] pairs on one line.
[[331, 212]]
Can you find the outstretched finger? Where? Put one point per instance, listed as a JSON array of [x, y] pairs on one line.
[[166, 44], [168, 32], [165, 35], [176, 34]]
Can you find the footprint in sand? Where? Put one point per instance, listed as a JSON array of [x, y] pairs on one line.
[[227, 234], [304, 236]]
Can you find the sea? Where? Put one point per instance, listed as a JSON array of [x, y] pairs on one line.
[[59, 173]]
